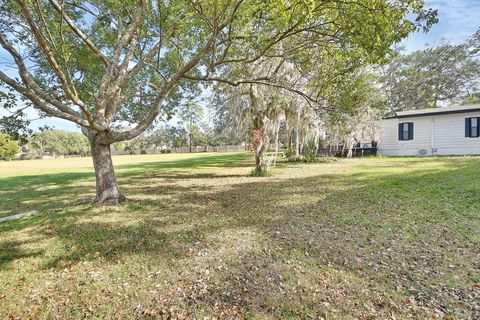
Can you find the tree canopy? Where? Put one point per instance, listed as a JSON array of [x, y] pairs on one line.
[[443, 75], [59, 142]]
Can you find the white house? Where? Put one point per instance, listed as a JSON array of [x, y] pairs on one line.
[[438, 131]]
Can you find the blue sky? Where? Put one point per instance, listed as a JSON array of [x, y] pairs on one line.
[[458, 19]]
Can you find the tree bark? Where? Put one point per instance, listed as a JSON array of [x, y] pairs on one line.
[[259, 147], [259, 159], [107, 191]]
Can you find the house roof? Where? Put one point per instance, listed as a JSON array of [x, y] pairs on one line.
[[434, 111]]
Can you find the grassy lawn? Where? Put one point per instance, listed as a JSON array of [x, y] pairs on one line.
[[386, 238]]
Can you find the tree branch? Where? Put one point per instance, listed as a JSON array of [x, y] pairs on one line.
[[79, 32], [156, 107], [31, 84], [41, 40], [39, 103], [106, 90], [260, 81]]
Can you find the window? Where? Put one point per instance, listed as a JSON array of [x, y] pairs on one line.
[[405, 131], [472, 127]]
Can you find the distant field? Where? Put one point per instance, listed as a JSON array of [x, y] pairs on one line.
[[347, 239], [43, 184], [84, 164]]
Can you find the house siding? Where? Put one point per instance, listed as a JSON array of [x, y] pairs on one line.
[[448, 136]]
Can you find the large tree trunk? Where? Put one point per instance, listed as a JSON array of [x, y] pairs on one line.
[[107, 188], [259, 160]]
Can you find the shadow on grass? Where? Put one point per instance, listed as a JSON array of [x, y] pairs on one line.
[[392, 233], [12, 250], [45, 192]]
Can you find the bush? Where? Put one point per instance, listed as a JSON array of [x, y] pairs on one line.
[[143, 152], [263, 173], [310, 153], [288, 154], [308, 156], [8, 148]]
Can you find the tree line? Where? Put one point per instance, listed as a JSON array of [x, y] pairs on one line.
[[162, 139], [44, 143]]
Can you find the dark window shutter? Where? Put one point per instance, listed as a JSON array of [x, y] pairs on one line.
[[478, 127], [410, 131], [467, 127], [400, 131]]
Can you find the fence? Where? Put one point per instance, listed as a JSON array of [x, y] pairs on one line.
[[233, 148], [338, 151], [364, 150]]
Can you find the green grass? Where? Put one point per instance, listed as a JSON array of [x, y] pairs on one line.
[[198, 237]]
